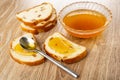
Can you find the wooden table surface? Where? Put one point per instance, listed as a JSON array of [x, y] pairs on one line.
[[101, 63]]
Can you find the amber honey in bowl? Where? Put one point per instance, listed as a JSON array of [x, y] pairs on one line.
[[85, 20]]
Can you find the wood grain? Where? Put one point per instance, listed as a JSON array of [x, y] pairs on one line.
[[101, 63]]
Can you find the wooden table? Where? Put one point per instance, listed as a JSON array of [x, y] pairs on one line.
[[101, 63]]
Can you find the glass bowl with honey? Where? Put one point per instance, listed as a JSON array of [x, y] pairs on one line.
[[85, 19]]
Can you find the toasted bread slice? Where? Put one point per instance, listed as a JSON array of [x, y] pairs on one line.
[[36, 14], [24, 56], [62, 49], [28, 29], [36, 31]]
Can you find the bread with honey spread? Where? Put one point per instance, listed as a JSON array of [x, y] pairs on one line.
[[62, 49], [24, 56]]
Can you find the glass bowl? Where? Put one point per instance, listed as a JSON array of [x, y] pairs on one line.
[[88, 6]]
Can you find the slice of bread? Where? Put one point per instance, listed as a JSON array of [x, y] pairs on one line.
[[24, 56], [32, 30], [28, 29], [62, 49], [36, 14]]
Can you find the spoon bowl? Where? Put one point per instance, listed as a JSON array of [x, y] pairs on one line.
[[27, 43]]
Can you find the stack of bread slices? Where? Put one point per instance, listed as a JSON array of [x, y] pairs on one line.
[[37, 19]]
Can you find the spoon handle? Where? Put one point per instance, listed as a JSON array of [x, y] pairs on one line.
[[57, 63]]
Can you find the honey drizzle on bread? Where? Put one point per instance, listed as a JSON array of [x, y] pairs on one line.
[[25, 59], [79, 53]]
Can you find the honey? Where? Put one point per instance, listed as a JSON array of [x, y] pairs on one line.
[[22, 51], [84, 20], [61, 46]]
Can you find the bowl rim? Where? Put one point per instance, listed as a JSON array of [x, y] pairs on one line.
[[86, 31]]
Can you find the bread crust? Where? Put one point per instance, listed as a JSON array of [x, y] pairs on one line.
[[75, 59], [28, 63]]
